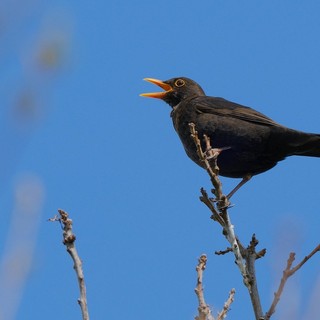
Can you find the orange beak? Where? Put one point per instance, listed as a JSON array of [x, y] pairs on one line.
[[161, 84]]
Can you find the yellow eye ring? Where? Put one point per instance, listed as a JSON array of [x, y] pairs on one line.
[[179, 83]]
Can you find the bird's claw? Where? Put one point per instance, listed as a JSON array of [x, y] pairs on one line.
[[226, 207], [213, 153], [222, 204]]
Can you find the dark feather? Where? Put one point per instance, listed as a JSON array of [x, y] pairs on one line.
[[225, 108]]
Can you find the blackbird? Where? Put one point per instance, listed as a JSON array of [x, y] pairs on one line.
[[250, 142]]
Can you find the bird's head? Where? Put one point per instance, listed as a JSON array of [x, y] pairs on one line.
[[176, 90]]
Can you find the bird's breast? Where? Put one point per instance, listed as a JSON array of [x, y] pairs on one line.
[[181, 116]]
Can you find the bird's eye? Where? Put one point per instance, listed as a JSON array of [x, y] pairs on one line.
[[179, 83]]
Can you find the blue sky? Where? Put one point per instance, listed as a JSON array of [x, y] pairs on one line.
[[77, 136]]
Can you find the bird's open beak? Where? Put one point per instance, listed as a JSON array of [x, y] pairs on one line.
[[161, 84]]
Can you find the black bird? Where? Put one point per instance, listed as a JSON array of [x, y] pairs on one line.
[[251, 143]]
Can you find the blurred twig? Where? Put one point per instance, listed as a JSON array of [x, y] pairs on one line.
[[17, 259], [68, 240]]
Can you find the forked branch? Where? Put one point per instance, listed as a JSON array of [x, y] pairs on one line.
[[204, 311], [288, 272]]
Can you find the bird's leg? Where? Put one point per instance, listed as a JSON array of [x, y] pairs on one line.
[[244, 180]]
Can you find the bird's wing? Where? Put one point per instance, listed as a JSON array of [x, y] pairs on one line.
[[222, 107]]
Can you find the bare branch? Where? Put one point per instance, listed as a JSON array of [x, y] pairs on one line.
[[288, 272], [220, 213], [68, 240], [250, 256], [210, 204], [222, 252], [222, 315], [244, 258], [203, 308], [304, 260]]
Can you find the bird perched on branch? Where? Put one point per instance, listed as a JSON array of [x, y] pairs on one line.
[[249, 142]]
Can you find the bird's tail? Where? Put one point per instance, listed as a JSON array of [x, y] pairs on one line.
[[306, 144]]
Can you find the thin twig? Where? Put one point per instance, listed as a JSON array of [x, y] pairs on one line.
[[304, 260], [208, 202], [222, 315], [203, 308], [69, 241], [288, 272], [222, 252]]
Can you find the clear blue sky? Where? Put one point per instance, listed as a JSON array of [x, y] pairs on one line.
[[73, 125]]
